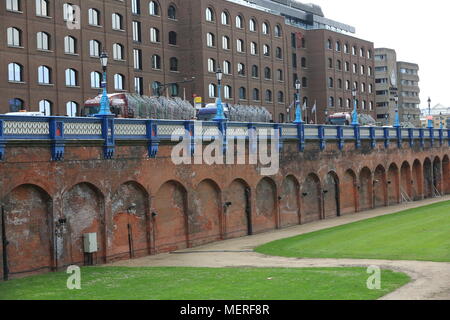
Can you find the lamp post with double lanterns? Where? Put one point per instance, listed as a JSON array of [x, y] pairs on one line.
[[397, 116], [220, 115], [430, 118], [298, 109], [355, 106], [105, 109]]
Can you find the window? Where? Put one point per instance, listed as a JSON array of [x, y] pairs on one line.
[[156, 62], [16, 104], [174, 90], [369, 71], [156, 87], [239, 22], [44, 74], [280, 76], [240, 45], [119, 81], [330, 82], [95, 80], [278, 31], [304, 82], [255, 94], [15, 72], [370, 88], [339, 65], [279, 53], [225, 18], [117, 21], [355, 85], [139, 85], [346, 48], [172, 12], [363, 70], [347, 85], [137, 59], [331, 102], [369, 54], [355, 68], [94, 17], [212, 65], [210, 15], [340, 83], [70, 45], [68, 12], [136, 7], [266, 50], [329, 44], [338, 46], [347, 66], [225, 43], [268, 96], [118, 51], [226, 67], [255, 71], [348, 103], [13, 5], [227, 92], [330, 63], [242, 93], [267, 73], [363, 87], [212, 90], [136, 31], [265, 28], [71, 109], [173, 38], [252, 25], [340, 103], [71, 78], [154, 35], [173, 64], [253, 48], [42, 8], [94, 48], [361, 52], [303, 62], [364, 105], [45, 107], [153, 8], [42, 41], [210, 40], [241, 69], [14, 36], [354, 50], [280, 96]]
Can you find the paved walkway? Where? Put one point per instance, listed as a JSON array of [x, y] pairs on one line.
[[430, 280]]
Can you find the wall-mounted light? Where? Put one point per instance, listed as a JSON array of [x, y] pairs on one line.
[[389, 182], [154, 214], [280, 198], [228, 204], [325, 191], [132, 209], [304, 194]]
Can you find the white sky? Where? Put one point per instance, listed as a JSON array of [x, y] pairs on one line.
[[417, 30]]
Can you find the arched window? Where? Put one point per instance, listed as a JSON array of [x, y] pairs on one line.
[[43, 40], [95, 79], [174, 90], [256, 94], [212, 65], [331, 102], [338, 46], [255, 71], [68, 12], [94, 48], [227, 92], [267, 73], [42, 8], [226, 67], [241, 69], [210, 40], [45, 107], [265, 28], [279, 53], [266, 50], [119, 81], [117, 21], [70, 45], [340, 102], [226, 43], [339, 64], [329, 44], [210, 15], [348, 104], [15, 72], [154, 35], [156, 62], [173, 38], [225, 18], [118, 51], [268, 96], [16, 104], [304, 82], [239, 22], [253, 48], [278, 31], [44, 75], [363, 70], [172, 12], [153, 8], [242, 93], [369, 71], [252, 25], [361, 53], [280, 96], [71, 109], [280, 75], [330, 82], [346, 48], [156, 86], [71, 77], [354, 50], [330, 63], [14, 36], [212, 89], [173, 64], [340, 83], [94, 17], [303, 62], [240, 45], [347, 85]]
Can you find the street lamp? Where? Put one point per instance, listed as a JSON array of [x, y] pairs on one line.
[[355, 105], [105, 109], [298, 110], [220, 115], [430, 119], [397, 117]]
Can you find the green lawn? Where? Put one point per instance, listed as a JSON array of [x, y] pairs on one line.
[[112, 283], [421, 234]]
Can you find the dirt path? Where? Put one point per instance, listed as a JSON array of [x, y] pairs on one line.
[[430, 280]]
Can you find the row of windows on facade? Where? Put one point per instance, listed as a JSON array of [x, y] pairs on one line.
[[338, 65], [337, 46], [225, 19], [43, 10], [45, 106]]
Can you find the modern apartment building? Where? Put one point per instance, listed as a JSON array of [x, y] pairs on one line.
[[51, 61], [408, 85]]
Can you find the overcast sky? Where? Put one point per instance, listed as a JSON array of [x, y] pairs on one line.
[[417, 30]]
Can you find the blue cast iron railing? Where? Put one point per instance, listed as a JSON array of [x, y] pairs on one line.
[[60, 131]]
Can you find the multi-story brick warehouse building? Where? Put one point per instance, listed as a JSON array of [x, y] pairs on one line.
[[263, 46]]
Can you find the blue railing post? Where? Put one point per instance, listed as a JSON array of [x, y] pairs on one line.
[[252, 140], [57, 137], [322, 140], [278, 128], [411, 137], [441, 137], [422, 138], [189, 129], [152, 137], [222, 125], [431, 137], [357, 136], [340, 137], [399, 137], [448, 136], [386, 138], [373, 138], [301, 136], [108, 135], [2, 142]]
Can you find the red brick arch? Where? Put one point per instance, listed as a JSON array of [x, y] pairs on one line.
[[417, 178], [348, 192], [311, 198], [331, 195], [393, 182], [290, 202], [365, 189], [406, 181], [446, 174], [265, 217], [238, 212], [380, 187]]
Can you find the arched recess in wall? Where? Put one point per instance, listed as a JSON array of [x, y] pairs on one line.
[[130, 227], [380, 187], [170, 219], [427, 179], [417, 178], [28, 229], [83, 207], [348, 192], [312, 199], [331, 196], [238, 220], [266, 206], [393, 185], [365, 189], [446, 174], [290, 204], [406, 181], [437, 175], [204, 222]]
